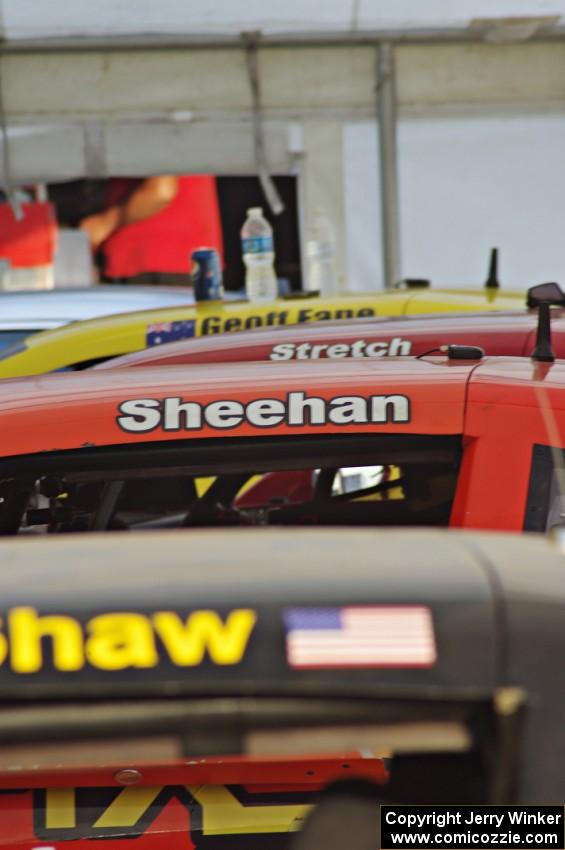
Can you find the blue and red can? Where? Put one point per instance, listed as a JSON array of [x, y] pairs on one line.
[[206, 275]]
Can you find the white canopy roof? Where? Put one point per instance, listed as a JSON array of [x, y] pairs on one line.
[[55, 19], [71, 106], [77, 100]]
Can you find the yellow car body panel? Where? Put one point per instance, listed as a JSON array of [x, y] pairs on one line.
[[111, 336], [426, 301]]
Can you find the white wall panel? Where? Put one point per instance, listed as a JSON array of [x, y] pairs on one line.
[[461, 77], [38, 151], [123, 84], [361, 183], [60, 153], [330, 82], [466, 184], [190, 148], [322, 173], [471, 183]]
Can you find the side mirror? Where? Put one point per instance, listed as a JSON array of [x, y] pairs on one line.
[[545, 293]]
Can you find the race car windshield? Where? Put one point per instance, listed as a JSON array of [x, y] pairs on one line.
[[11, 342], [365, 480]]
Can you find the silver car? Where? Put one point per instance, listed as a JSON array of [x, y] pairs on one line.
[[25, 313]]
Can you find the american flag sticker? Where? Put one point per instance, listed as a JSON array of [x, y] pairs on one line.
[[360, 636]]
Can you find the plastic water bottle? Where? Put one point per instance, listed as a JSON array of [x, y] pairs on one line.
[[258, 256], [320, 253]]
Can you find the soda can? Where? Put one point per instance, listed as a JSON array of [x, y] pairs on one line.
[[206, 275]]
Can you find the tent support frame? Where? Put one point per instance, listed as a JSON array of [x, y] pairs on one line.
[[386, 120]]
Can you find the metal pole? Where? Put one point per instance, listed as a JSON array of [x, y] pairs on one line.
[[6, 179], [386, 115]]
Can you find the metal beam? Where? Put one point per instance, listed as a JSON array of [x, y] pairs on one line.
[[205, 41], [386, 115]]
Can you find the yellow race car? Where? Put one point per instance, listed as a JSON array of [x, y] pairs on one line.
[[82, 344]]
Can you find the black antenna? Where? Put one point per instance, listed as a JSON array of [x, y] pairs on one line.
[[492, 281], [543, 352]]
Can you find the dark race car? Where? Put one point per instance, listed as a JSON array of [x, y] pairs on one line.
[[202, 690]]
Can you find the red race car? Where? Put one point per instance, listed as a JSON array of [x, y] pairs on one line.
[[213, 803], [471, 443]]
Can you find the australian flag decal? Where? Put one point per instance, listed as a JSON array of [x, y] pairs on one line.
[[162, 332]]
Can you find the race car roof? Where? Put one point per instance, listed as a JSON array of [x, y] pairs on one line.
[[453, 582], [510, 334], [513, 380], [112, 336], [271, 577], [456, 619], [197, 617], [397, 395], [73, 410]]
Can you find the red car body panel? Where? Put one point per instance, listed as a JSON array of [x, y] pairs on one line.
[[512, 406], [74, 410], [200, 803], [503, 408]]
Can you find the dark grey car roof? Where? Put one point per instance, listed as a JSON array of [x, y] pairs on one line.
[[470, 582]]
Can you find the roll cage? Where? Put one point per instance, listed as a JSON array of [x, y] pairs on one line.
[[270, 481]]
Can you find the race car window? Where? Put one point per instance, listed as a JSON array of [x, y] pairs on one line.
[[545, 503], [303, 480], [11, 341]]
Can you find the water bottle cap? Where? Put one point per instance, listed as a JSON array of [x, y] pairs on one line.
[[255, 211]]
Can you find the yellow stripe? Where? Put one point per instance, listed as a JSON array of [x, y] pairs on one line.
[[222, 814], [60, 809], [129, 806]]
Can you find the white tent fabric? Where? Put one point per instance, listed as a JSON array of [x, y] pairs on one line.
[[46, 19], [466, 181]]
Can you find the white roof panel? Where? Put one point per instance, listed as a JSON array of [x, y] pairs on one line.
[[38, 19], [414, 14]]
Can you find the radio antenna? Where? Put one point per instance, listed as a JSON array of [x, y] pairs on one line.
[[492, 281]]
